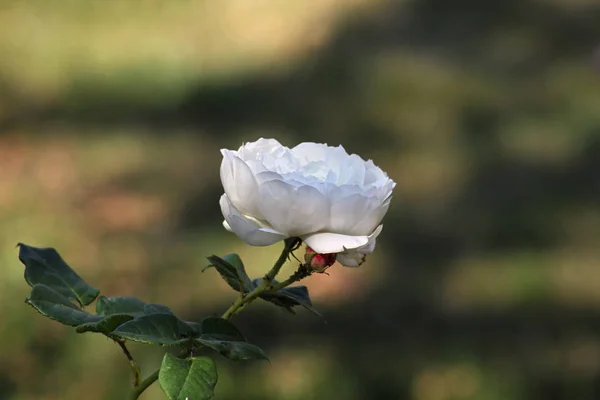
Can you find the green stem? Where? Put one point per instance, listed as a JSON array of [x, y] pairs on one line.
[[289, 245], [301, 273], [132, 364], [139, 389], [243, 300]]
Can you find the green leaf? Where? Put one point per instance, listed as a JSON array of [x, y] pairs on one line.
[[220, 329], [128, 305], [54, 305], [156, 309], [283, 302], [288, 297], [280, 301], [45, 266], [222, 336], [119, 305], [232, 271], [299, 294], [195, 327], [234, 350], [162, 329], [190, 379], [106, 325]]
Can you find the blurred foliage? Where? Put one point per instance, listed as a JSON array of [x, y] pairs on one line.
[[486, 280]]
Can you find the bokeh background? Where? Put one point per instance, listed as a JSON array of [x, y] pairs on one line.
[[486, 280]]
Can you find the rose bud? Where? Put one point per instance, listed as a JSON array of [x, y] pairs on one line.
[[318, 262]]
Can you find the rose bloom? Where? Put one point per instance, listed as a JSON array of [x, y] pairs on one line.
[[331, 200]]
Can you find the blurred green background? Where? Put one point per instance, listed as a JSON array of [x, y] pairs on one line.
[[486, 280]]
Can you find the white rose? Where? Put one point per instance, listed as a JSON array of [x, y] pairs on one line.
[[331, 200]]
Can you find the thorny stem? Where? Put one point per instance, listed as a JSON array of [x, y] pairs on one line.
[[139, 389], [301, 273], [132, 364], [289, 246], [243, 300]]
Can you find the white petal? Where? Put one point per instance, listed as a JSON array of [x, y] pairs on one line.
[[256, 150], [350, 259], [294, 210], [334, 242], [355, 257], [239, 183], [348, 211], [372, 216], [248, 229], [352, 171], [308, 151], [332, 156], [265, 176]]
